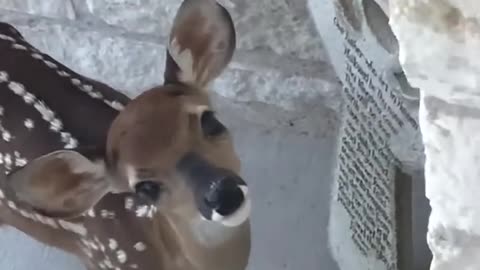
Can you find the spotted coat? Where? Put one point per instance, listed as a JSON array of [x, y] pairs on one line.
[[45, 106]]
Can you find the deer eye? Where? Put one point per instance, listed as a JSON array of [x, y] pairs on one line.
[[211, 127], [148, 191]]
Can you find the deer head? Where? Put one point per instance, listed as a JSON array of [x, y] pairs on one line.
[[167, 145]]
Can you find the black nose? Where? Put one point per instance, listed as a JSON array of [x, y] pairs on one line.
[[148, 191], [224, 196]]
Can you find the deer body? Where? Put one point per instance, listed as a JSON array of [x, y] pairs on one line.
[[120, 183]]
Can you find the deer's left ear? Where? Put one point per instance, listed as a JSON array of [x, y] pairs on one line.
[[201, 44], [61, 184]]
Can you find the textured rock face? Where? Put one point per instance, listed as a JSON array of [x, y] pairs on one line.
[[49, 8], [279, 60], [267, 24], [448, 74]]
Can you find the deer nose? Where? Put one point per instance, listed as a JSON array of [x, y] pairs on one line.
[[148, 191], [225, 196]]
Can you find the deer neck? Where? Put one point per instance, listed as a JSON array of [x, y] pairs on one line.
[[197, 244]]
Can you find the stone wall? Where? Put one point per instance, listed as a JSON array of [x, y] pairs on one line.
[[280, 59], [439, 44]]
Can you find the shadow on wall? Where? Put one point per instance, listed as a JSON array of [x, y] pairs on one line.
[[422, 256]]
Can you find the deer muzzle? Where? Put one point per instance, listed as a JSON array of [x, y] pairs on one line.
[[220, 195]]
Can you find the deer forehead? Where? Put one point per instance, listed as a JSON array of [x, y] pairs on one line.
[[158, 123]]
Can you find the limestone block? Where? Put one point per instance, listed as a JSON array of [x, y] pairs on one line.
[[282, 26], [47, 8], [439, 50], [134, 65]]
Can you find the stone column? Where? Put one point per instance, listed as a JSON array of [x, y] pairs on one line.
[[439, 49]]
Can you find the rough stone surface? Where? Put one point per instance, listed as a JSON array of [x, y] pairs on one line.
[[266, 24], [448, 74], [48, 8], [135, 63]]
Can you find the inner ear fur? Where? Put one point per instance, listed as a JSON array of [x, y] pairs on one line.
[[61, 184], [201, 44]]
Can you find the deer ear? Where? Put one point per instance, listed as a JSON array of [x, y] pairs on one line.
[[201, 43], [61, 184]]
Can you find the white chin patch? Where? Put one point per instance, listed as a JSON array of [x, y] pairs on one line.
[[239, 216]]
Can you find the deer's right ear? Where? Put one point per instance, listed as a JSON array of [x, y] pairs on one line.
[[61, 184], [201, 44]]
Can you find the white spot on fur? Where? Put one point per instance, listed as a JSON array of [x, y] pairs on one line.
[[69, 141], [134, 266], [50, 64], [2, 111], [37, 56], [3, 76], [115, 105], [63, 73], [108, 263], [19, 46], [88, 252], [122, 256], [140, 246], [12, 205], [19, 160], [50, 222], [56, 125], [112, 244], [76, 82], [17, 88], [146, 211], [7, 161], [239, 216], [5, 37], [91, 213], [96, 95], [100, 245], [6, 136], [46, 113], [91, 245], [29, 124], [29, 98], [73, 227], [45, 220], [128, 203], [87, 88], [26, 214], [2, 195]]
